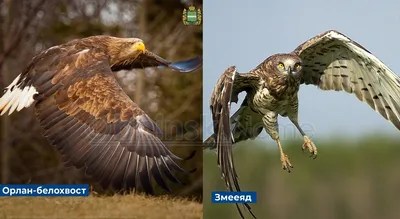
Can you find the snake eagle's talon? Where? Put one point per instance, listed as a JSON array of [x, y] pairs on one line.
[[286, 165], [308, 144]]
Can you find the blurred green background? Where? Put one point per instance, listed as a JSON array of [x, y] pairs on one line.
[[351, 178]]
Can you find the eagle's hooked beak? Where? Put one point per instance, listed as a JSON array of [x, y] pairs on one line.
[[139, 46], [289, 70]]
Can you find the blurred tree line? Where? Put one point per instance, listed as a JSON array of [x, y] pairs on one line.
[[351, 178], [172, 99]]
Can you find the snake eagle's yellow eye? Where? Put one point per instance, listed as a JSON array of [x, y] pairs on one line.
[[281, 65], [297, 66]]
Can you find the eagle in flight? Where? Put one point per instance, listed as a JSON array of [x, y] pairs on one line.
[[88, 117], [330, 61]]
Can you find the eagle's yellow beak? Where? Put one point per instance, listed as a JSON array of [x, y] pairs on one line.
[[139, 46]]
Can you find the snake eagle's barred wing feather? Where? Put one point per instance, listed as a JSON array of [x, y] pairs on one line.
[[333, 61], [226, 91]]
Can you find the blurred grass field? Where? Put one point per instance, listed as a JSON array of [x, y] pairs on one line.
[[117, 206], [351, 178]]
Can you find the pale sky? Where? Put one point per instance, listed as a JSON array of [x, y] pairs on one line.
[[244, 33]]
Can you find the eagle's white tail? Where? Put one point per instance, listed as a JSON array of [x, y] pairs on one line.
[[16, 97]]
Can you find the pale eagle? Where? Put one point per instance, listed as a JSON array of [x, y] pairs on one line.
[[330, 61]]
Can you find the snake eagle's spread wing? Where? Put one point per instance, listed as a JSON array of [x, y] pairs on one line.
[[226, 90], [92, 122], [333, 61]]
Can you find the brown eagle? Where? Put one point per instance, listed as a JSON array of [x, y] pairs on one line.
[[88, 117], [330, 61]]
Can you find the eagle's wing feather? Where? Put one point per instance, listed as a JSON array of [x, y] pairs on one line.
[[93, 123], [225, 92], [333, 61]]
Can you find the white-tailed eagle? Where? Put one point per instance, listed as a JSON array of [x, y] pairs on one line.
[[88, 117]]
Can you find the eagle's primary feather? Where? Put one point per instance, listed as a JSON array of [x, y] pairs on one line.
[[88, 117], [331, 61]]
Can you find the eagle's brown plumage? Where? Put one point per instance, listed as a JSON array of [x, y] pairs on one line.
[[329, 60], [88, 117]]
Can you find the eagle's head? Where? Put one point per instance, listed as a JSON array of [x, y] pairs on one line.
[[288, 64], [130, 47], [125, 50]]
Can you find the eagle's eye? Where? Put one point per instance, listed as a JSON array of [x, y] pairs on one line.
[[297, 66], [281, 65]]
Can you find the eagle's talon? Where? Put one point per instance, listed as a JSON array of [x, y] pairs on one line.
[[286, 165], [314, 155], [308, 144]]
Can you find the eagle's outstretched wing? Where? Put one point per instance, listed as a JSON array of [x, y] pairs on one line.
[[226, 91], [333, 61], [92, 122]]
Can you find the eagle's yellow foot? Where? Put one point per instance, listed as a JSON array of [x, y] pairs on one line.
[[308, 144], [286, 165]]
